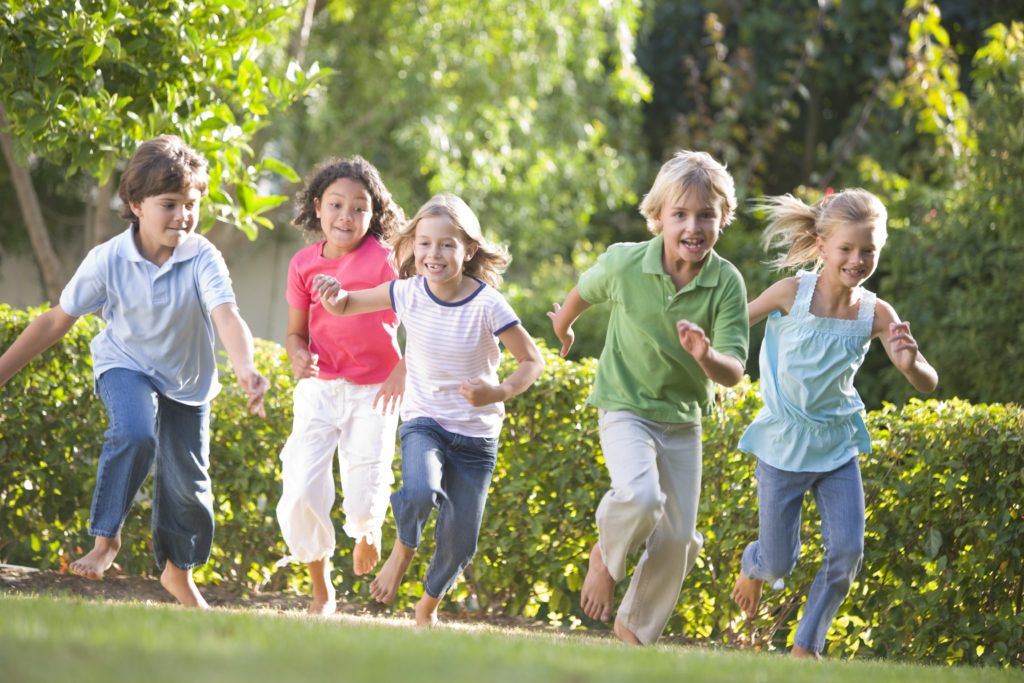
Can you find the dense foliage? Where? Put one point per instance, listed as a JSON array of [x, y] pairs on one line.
[[942, 578]]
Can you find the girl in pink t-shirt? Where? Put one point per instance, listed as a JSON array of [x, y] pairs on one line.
[[350, 375]]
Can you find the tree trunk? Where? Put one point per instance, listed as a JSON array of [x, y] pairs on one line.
[[50, 265], [100, 231]]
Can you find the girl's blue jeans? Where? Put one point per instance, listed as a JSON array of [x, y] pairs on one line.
[[451, 473], [146, 429], [839, 496]]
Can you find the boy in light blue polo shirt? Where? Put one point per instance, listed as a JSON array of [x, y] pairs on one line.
[[678, 326], [161, 289]]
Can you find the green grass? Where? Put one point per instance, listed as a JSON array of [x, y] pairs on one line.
[[49, 639]]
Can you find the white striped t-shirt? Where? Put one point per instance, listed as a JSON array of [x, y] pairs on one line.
[[445, 344]]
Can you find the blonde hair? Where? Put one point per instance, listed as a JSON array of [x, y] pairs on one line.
[[487, 264], [687, 172], [796, 227]]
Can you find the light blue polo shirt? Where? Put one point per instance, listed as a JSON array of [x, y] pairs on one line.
[[158, 317], [643, 368]]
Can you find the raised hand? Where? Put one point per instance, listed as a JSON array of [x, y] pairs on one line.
[[693, 339]]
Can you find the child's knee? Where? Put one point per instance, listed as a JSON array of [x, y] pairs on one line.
[[419, 497]]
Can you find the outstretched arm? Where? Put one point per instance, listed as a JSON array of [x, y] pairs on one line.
[[529, 368], [901, 347], [46, 330], [779, 296], [237, 340], [719, 367], [564, 316], [343, 302]]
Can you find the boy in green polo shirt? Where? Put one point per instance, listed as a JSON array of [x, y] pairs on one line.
[[678, 325]]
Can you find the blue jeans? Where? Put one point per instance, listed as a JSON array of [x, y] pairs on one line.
[[839, 496], [451, 473], [147, 427]]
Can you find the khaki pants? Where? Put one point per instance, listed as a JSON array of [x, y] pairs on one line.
[[655, 470]]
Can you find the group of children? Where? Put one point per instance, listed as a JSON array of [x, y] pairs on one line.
[[679, 326]]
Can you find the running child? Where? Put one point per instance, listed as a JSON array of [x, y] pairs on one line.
[[453, 408], [810, 432], [161, 288], [345, 368], [678, 326]]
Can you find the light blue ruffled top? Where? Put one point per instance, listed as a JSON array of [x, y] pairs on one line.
[[812, 416]]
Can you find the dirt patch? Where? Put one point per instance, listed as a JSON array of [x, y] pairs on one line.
[[115, 586]]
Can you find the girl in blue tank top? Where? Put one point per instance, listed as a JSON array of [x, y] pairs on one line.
[[810, 432]]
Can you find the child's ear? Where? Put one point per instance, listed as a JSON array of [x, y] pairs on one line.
[[136, 208], [471, 252]]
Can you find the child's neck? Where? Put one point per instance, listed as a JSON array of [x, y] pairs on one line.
[[834, 300], [453, 290]]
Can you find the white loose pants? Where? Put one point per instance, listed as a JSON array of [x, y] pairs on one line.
[[334, 416], [655, 470]]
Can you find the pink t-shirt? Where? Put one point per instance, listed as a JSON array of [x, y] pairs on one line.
[[360, 348]]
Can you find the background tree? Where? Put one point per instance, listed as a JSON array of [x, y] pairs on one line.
[[528, 110], [82, 83]]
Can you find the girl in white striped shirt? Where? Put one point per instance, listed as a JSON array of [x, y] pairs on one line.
[[454, 317]]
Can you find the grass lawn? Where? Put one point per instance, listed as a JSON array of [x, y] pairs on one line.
[[52, 639]]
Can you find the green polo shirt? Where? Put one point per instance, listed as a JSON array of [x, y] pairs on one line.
[[643, 367]]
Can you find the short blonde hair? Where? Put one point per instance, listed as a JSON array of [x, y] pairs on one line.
[[487, 264], [796, 226], [689, 172]]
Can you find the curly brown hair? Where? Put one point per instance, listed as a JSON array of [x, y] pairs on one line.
[[387, 218]]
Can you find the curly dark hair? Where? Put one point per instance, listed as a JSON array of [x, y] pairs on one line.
[[387, 217]]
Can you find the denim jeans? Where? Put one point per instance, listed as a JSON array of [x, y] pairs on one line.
[[451, 473], [145, 428], [839, 496]]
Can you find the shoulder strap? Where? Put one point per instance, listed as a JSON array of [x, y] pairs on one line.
[[804, 292]]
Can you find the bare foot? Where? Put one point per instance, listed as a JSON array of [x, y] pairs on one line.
[[98, 560], [179, 583], [624, 634], [365, 556], [385, 586], [799, 653], [324, 602], [426, 611], [747, 594], [598, 588]]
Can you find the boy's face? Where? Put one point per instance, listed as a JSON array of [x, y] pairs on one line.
[[345, 211], [165, 222], [691, 228]]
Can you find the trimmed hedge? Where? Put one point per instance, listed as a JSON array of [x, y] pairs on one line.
[[942, 578]]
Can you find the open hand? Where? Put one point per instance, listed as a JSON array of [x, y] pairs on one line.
[[693, 339]]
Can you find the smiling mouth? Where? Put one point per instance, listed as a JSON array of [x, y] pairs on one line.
[[692, 244]]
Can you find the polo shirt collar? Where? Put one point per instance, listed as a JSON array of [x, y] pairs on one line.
[[126, 248], [707, 277]]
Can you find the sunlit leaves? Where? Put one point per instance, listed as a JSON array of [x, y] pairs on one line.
[[84, 83]]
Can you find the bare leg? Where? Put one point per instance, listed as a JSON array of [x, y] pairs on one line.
[[365, 556], [98, 560], [624, 634], [324, 602], [179, 583], [800, 653], [426, 611], [747, 594], [598, 592], [385, 587]]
